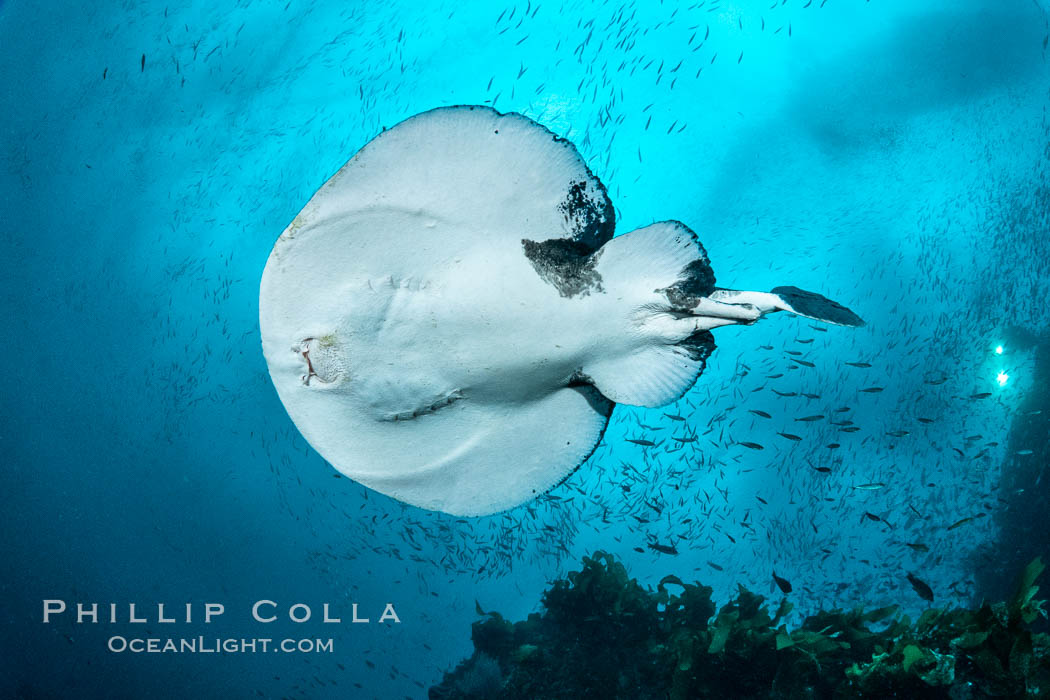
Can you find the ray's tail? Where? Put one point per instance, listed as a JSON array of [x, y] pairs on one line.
[[662, 279]]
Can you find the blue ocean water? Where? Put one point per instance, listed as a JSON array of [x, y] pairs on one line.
[[891, 155]]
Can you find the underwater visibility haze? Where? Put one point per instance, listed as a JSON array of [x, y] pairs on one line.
[[491, 319]]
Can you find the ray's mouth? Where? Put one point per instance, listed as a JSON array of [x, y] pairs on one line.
[[321, 357]]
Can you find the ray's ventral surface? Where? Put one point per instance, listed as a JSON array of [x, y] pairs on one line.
[[451, 317]]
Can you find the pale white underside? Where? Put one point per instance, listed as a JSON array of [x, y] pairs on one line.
[[409, 262]]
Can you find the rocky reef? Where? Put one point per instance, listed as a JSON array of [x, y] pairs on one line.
[[1024, 492], [602, 635]]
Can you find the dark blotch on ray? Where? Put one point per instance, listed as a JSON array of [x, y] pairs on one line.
[[695, 281], [590, 215], [566, 265]]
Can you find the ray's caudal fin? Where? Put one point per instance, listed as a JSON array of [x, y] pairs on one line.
[[663, 278], [797, 301]]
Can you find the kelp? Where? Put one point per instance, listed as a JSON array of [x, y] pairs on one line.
[[602, 635]]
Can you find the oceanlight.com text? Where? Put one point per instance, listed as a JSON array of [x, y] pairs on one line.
[[217, 645]]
